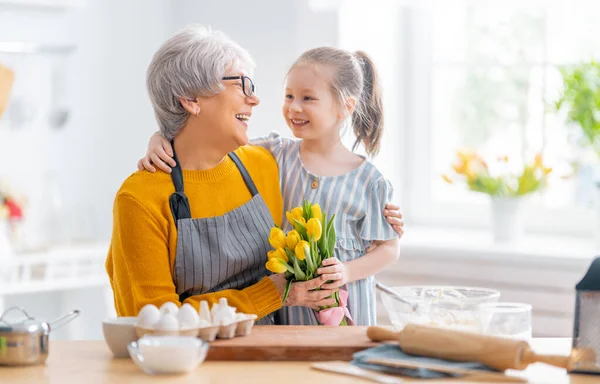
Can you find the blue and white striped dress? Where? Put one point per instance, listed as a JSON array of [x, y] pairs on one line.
[[357, 198]]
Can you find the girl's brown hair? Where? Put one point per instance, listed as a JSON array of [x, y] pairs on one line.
[[355, 76]]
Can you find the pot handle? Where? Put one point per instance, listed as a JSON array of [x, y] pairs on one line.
[[63, 319], [12, 309]]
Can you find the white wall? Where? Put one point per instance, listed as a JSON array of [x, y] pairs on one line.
[[111, 114]]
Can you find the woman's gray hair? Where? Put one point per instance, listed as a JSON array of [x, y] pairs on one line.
[[188, 65]]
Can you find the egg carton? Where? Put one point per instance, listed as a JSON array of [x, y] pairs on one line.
[[242, 326]]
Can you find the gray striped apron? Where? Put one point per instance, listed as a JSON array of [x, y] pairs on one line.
[[222, 252]]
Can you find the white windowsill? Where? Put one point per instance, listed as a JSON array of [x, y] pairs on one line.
[[441, 242]]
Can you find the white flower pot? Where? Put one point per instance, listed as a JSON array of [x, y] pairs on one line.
[[507, 221]]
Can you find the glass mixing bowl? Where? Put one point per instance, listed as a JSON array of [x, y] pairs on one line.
[[440, 306]]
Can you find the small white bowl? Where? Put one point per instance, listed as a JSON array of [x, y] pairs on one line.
[[157, 355], [118, 333]]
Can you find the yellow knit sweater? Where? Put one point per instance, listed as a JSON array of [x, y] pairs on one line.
[[141, 258]]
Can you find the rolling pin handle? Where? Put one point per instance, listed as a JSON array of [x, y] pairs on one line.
[[382, 334], [530, 357]]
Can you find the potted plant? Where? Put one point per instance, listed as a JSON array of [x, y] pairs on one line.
[[580, 101], [506, 188]]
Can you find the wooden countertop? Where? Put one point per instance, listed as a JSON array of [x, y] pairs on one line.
[[90, 362]]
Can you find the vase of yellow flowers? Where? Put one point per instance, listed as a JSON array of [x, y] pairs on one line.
[[506, 189], [300, 252]]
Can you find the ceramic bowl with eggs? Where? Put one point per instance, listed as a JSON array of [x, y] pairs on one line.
[[169, 320]]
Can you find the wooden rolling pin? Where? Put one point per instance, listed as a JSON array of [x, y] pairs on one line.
[[495, 352]]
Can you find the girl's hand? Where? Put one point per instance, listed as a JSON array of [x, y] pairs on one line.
[[159, 153], [394, 218], [334, 271]]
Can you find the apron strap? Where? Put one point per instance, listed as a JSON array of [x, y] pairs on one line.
[[245, 175], [180, 206]]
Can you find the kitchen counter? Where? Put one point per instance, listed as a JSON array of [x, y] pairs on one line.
[[91, 362]]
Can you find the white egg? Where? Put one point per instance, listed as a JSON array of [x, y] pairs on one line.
[[167, 322], [188, 317], [204, 312], [148, 316], [224, 314], [170, 308]]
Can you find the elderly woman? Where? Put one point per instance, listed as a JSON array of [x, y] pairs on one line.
[[200, 233]]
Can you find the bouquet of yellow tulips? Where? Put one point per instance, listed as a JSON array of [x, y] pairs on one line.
[[299, 252], [474, 171]]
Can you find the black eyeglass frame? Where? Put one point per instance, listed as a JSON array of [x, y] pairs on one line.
[[243, 78]]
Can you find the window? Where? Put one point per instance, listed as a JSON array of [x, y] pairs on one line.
[[484, 75]]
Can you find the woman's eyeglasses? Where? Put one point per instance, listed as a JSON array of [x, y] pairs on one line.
[[247, 84]]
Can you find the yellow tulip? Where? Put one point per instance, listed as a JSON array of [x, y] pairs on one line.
[[296, 213], [302, 249], [278, 253], [470, 173], [293, 237], [314, 229], [275, 265], [316, 212], [301, 220], [277, 238], [538, 162], [465, 155], [460, 168]]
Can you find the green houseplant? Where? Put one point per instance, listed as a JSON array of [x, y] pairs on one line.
[[580, 100]]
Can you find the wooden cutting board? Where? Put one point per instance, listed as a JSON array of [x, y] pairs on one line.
[[293, 343]]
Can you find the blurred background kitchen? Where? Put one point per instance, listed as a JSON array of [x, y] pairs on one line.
[[465, 75]]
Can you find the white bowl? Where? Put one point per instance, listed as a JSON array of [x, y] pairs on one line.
[[118, 333], [168, 354]]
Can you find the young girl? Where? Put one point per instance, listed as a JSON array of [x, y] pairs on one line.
[[325, 88]]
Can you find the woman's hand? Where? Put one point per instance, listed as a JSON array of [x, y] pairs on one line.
[[159, 153], [302, 293], [333, 271], [394, 218]]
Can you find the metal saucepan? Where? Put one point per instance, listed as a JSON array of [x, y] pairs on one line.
[[26, 342]]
